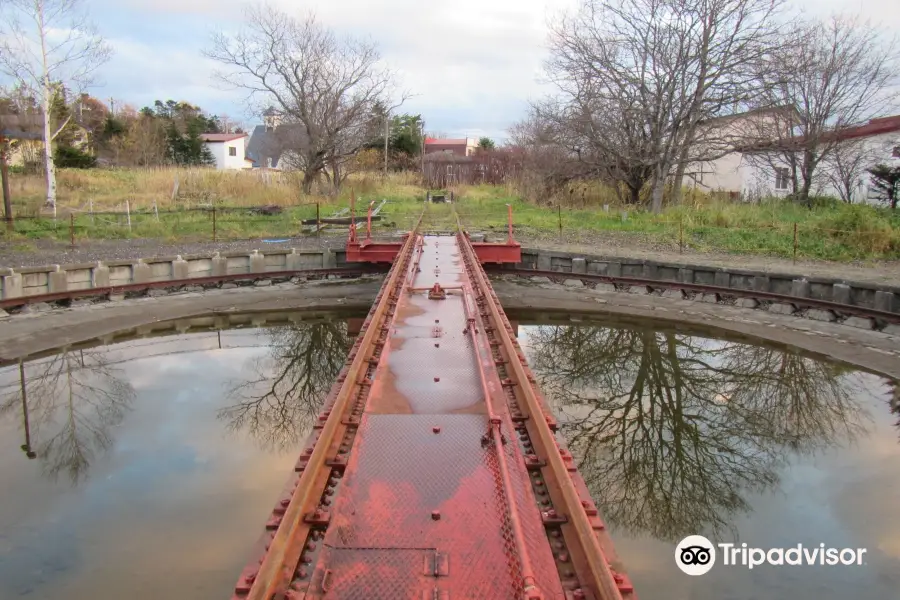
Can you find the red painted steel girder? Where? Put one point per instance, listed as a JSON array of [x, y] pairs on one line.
[[386, 252]]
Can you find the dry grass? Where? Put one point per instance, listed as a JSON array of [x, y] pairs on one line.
[[108, 189]]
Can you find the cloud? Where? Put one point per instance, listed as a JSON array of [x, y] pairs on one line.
[[472, 64]]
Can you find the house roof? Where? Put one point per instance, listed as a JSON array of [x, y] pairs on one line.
[[221, 137], [271, 144], [448, 142], [873, 127], [783, 110]]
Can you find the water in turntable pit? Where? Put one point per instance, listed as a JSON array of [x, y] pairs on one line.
[[157, 459]]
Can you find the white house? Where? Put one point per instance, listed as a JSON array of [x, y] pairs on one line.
[[752, 175], [227, 149]]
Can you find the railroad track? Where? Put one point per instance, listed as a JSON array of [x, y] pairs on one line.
[[433, 470], [140, 289], [881, 318]]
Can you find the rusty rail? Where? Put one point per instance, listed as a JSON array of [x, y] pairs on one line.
[[322, 464], [837, 307], [171, 283], [529, 583], [570, 500]]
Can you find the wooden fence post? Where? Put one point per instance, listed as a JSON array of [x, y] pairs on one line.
[[795, 242]]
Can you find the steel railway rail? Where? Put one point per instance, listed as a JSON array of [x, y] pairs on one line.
[[137, 289], [434, 471], [881, 317]]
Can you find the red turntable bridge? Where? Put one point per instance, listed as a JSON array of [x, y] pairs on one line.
[[433, 471]]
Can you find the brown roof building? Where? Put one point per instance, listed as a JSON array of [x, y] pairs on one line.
[[457, 147]]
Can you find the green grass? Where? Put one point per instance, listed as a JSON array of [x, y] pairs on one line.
[[830, 231], [834, 231]]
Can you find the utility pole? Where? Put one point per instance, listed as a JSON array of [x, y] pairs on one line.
[[387, 133], [4, 175], [423, 147]]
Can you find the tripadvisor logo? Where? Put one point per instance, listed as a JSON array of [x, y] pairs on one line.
[[696, 555]]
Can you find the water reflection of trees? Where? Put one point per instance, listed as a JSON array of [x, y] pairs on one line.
[[278, 403], [673, 430], [72, 401], [894, 401]]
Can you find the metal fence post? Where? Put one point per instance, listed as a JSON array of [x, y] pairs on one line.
[[680, 235], [215, 232], [72, 229]]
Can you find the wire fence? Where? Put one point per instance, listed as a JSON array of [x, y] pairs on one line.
[[789, 239], [552, 224], [210, 224]]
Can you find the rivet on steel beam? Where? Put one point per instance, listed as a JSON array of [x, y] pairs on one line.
[[436, 345], [436, 429], [436, 379], [435, 515]]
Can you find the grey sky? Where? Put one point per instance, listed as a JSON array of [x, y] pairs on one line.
[[473, 63]]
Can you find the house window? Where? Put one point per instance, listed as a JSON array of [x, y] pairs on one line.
[[782, 178], [232, 151]]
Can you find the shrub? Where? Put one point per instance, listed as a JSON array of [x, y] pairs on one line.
[[67, 157]]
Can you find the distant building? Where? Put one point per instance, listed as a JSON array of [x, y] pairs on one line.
[[756, 170], [269, 141], [227, 149], [457, 147]]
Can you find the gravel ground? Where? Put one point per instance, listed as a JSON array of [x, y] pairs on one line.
[[47, 252], [44, 252]]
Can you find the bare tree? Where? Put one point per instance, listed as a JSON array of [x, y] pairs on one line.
[[48, 45], [846, 167], [672, 431], [289, 385], [640, 76], [548, 163], [834, 74], [327, 87], [75, 400]]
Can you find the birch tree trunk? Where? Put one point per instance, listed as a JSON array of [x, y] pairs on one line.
[[71, 50], [49, 166], [47, 92]]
